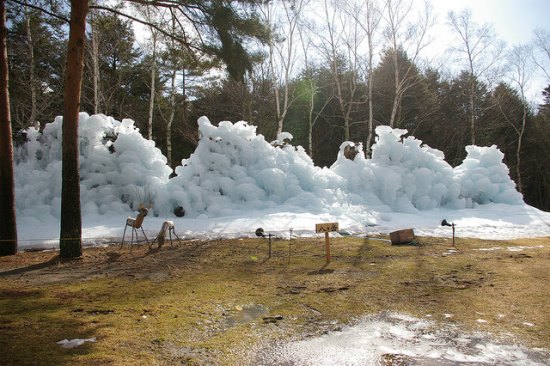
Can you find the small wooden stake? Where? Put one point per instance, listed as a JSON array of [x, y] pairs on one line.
[[289, 244], [327, 247], [454, 235]]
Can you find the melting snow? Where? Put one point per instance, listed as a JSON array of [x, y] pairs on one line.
[[424, 341]]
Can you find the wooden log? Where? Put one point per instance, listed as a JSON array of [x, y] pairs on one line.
[[400, 237]]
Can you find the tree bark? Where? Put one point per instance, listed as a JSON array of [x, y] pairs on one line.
[[472, 101], [518, 150], [372, 20], [95, 64], [8, 227], [370, 134], [153, 79], [472, 115], [311, 93], [396, 97], [281, 69], [70, 242], [310, 118], [172, 114]]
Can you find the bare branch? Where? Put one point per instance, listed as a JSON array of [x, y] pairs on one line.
[[149, 24], [47, 12]]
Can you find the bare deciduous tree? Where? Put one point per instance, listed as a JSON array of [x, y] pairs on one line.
[[542, 46], [283, 19], [154, 42], [480, 50], [342, 45], [311, 89], [521, 71], [411, 38], [173, 91], [368, 17]]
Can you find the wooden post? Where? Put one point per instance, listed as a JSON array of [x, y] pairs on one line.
[[327, 247], [454, 235], [326, 228], [289, 244]]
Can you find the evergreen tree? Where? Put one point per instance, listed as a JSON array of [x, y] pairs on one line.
[[430, 122], [537, 157], [455, 131], [117, 59], [36, 52], [417, 102], [502, 126], [328, 128], [70, 238]]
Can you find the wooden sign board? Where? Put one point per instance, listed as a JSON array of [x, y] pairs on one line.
[[326, 227]]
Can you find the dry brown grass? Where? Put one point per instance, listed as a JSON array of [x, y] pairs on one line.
[[185, 304]]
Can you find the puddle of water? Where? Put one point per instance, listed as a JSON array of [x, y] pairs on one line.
[[398, 336], [244, 314]]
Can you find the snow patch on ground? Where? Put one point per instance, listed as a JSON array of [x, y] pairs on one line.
[[419, 340]]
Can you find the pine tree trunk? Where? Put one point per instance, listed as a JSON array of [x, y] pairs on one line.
[[8, 227], [70, 242]]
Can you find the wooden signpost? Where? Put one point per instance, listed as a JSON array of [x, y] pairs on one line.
[[326, 228]]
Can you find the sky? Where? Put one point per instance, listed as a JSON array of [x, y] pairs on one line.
[[513, 20]]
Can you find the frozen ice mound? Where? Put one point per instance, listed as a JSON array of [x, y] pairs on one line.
[[234, 169]]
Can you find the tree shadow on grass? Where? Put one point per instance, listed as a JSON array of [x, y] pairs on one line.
[[33, 323], [33, 267], [322, 270]]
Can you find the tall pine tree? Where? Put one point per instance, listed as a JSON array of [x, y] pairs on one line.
[[8, 227]]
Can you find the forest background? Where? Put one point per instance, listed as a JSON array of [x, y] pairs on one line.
[[326, 71]]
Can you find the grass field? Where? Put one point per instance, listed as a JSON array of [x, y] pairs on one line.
[[219, 302]]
